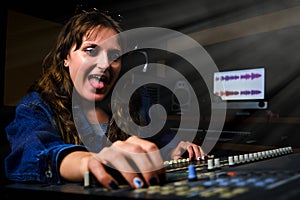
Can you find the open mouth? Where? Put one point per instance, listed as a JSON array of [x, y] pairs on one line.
[[98, 81], [99, 78]]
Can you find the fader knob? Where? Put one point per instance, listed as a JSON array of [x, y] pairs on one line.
[[230, 161], [192, 176], [210, 165], [217, 163]]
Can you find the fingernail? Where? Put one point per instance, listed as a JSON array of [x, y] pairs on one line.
[[138, 183], [153, 181], [113, 185]]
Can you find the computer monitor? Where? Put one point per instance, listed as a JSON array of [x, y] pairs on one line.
[[243, 88]]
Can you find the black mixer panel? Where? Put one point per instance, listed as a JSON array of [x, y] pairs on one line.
[[239, 176], [272, 174], [244, 176]]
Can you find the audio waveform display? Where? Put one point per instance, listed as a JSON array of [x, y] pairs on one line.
[[245, 92], [237, 77], [247, 84]]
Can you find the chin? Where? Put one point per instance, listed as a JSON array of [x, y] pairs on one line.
[[92, 97], [98, 97]]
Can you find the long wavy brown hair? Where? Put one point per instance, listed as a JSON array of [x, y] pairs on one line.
[[55, 85]]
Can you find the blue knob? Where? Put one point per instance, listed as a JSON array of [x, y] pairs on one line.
[[192, 176]]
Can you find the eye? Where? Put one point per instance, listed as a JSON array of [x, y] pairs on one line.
[[92, 51], [114, 55]]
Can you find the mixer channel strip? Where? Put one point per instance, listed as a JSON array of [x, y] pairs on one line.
[[216, 163], [218, 178]]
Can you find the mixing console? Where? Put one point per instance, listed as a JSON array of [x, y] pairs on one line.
[[224, 178], [272, 174], [219, 178]]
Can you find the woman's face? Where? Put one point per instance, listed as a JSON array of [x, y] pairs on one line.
[[95, 66]]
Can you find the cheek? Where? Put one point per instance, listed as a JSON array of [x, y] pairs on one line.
[[73, 73], [116, 67], [77, 69]]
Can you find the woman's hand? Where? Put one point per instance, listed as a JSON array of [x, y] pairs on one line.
[[138, 161], [194, 151]]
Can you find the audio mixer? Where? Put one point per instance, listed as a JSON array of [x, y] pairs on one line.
[[220, 178], [226, 178], [272, 174]]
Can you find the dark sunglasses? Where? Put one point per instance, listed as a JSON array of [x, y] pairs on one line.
[[80, 8]]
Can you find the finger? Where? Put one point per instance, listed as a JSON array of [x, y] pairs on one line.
[[146, 156], [117, 157], [177, 157], [199, 153], [101, 175], [191, 151], [151, 150], [196, 152], [154, 155], [202, 153]]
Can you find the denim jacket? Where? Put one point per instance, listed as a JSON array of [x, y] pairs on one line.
[[37, 148]]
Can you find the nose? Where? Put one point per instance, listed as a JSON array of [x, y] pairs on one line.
[[103, 62]]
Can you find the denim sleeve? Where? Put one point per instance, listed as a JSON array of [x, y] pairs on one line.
[[36, 147]]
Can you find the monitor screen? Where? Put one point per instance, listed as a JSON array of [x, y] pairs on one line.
[[246, 84]]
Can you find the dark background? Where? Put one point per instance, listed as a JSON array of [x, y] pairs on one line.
[[236, 34]]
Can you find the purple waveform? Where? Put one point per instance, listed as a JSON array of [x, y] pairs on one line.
[[250, 92], [251, 76], [227, 78]]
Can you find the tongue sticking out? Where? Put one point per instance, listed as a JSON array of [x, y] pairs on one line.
[[96, 83]]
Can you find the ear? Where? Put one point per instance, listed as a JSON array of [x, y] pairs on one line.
[[66, 63]]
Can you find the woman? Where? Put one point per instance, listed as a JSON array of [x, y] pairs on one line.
[[53, 137]]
